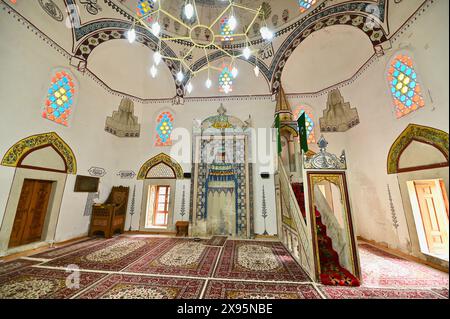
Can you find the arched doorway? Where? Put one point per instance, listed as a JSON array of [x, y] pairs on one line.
[[160, 175], [41, 164], [419, 157]]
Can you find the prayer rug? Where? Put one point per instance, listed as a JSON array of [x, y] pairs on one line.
[[256, 290], [179, 257], [111, 255], [252, 260], [38, 283], [15, 265], [217, 241], [441, 291], [119, 286], [376, 293], [381, 269], [63, 250]]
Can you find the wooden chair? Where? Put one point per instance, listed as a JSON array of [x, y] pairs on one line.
[[109, 218]]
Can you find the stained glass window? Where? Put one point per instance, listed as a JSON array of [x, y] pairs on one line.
[[310, 125], [306, 4], [164, 128], [59, 101], [225, 80], [404, 85], [225, 30], [144, 8]]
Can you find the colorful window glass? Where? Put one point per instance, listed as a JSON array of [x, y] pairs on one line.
[[305, 5], [164, 128], [59, 101], [225, 80], [310, 125], [225, 30], [145, 7], [404, 86]]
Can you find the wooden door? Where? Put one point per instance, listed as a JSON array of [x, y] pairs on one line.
[[31, 212], [434, 216]]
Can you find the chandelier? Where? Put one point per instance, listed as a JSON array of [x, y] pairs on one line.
[[151, 12]]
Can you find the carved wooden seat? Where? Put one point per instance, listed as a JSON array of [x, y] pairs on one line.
[[109, 218]]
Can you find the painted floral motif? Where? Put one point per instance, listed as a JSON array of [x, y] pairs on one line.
[[256, 257], [184, 254]]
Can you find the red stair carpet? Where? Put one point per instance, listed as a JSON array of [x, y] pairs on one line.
[[300, 195], [332, 273]]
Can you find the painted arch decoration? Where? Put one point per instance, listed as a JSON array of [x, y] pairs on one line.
[[156, 161], [419, 133], [18, 151], [356, 14]]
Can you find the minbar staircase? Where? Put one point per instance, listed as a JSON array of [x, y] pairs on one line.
[[332, 273]]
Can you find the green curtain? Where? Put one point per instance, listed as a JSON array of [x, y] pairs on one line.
[[277, 126], [302, 132]]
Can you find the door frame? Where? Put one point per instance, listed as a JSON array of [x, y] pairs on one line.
[[53, 209], [170, 219]]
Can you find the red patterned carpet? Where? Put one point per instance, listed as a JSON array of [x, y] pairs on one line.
[[60, 251], [217, 241], [251, 290], [38, 283], [377, 293], [139, 287], [381, 269], [167, 268], [15, 265], [111, 255], [177, 257], [268, 261]]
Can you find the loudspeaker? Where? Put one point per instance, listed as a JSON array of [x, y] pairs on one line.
[[187, 175], [265, 175]]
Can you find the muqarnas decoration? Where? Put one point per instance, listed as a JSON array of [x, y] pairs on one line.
[[338, 116], [123, 123]]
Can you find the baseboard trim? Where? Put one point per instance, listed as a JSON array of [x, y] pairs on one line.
[[151, 232], [401, 254]]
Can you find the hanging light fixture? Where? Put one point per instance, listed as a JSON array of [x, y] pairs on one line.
[[227, 19]]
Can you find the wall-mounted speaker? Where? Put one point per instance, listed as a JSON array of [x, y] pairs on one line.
[[265, 175], [187, 175]]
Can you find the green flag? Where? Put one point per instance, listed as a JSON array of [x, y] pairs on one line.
[[302, 132], [277, 126]]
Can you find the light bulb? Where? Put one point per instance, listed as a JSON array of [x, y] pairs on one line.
[[266, 33], [156, 28], [157, 57], [208, 83], [247, 53], [234, 72], [131, 35], [153, 71], [232, 22], [180, 76], [189, 88], [256, 71], [189, 11]]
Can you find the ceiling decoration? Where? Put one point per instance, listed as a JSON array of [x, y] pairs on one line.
[[233, 23]]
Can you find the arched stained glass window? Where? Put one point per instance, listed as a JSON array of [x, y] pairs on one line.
[[226, 31], [60, 98], [164, 128], [404, 85], [144, 8], [305, 5], [225, 80], [310, 125]]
